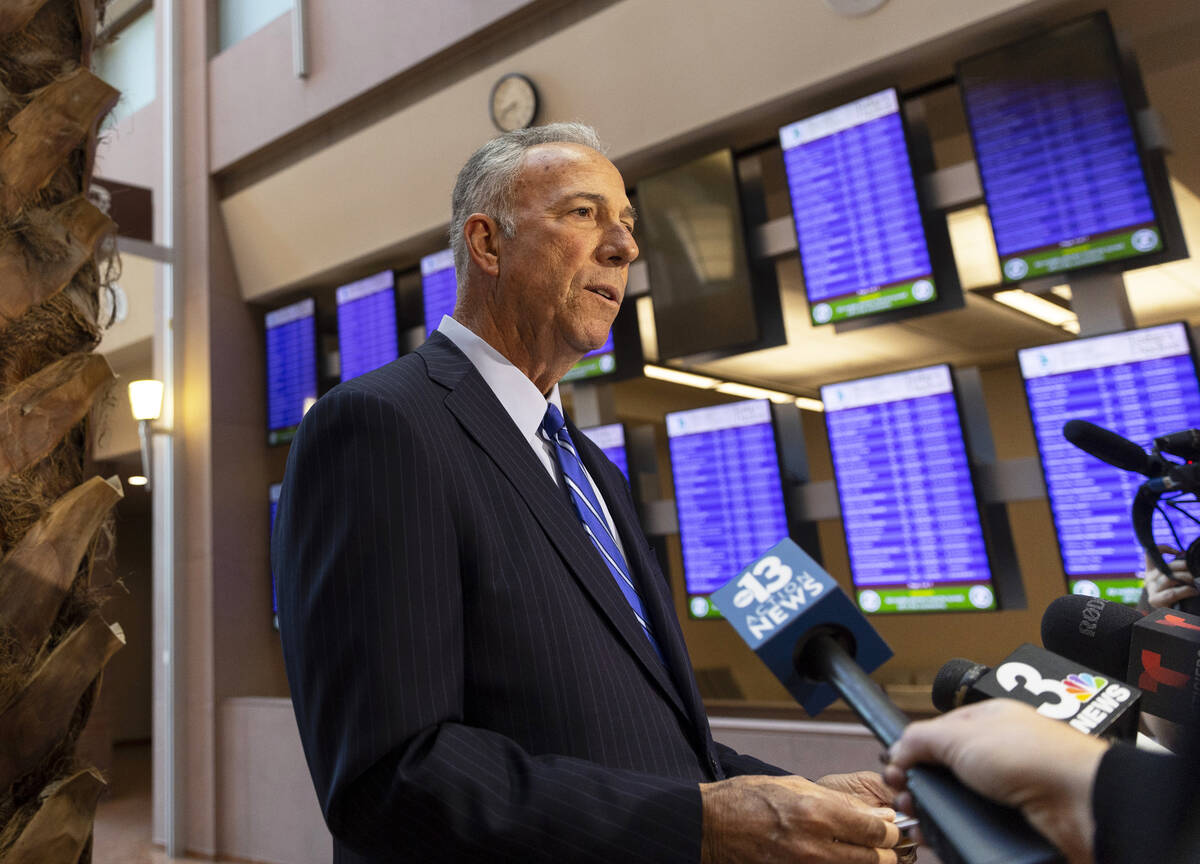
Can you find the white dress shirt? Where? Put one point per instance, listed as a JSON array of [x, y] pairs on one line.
[[521, 399]]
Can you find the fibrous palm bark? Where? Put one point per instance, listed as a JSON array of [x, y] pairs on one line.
[[53, 641]]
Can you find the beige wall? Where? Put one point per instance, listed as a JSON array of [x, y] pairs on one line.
[[649, 74], [354, 45]]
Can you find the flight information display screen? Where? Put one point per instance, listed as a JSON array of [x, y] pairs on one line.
[[274, 497], [611, 439], [858, 220], [1139, 384], [600, 361], [1057, 152], [438, 287], [291, 367], [728, 493], [909, 506], [367, 324]]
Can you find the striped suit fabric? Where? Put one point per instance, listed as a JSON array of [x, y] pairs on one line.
[[469, 682]]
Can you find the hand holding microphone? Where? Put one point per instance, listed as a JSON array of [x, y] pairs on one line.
[[1005, 750]]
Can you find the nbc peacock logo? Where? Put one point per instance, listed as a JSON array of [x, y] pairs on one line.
[[1083, 685]]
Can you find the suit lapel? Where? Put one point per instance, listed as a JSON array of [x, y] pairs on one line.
[[480, 413], [655, 592]]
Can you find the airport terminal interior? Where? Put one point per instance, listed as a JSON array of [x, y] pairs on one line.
[[888, 248]]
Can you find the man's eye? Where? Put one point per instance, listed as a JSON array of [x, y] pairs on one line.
[[583, 211]]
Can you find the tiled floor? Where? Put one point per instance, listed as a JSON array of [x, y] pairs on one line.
[[123, 817]]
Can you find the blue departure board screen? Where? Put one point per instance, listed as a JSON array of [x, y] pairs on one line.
[[1057, 153], [291, 367], [367, 324], [728, 493], [909, 506], [600, 361], [1139, 384], [274, 498], [438, 287], [858, 220], [611, 439]]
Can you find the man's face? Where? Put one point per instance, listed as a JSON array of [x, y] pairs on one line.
[[562, 275]]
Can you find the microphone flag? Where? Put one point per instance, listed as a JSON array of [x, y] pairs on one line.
[[781, 596], [1164, 660]]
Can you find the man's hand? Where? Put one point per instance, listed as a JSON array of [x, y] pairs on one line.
[[753, 818], [1005, 750], [1164, 590], [867, 786]]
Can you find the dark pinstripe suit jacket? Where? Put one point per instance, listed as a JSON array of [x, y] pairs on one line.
[[469, 682]]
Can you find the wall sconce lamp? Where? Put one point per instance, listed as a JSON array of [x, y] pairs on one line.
[[145, 401]]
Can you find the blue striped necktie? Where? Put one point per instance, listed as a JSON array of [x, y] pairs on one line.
[[554, 427]]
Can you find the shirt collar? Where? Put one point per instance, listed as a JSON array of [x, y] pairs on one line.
[[519, 396]]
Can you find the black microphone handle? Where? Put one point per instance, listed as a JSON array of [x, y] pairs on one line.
[[961, 825]]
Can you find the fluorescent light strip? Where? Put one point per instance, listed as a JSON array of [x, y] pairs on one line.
[[1038, 307], [731, 388]]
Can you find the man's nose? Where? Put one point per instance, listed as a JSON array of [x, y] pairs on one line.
[[619, 247]]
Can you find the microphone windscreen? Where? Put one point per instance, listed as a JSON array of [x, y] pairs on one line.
[[1107, 446], [952, 682], [1090, 631]]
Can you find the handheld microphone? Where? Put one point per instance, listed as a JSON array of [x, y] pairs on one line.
[[953, 685], [1111, 448], [1058, 688], [1159, 652], [809, 633]]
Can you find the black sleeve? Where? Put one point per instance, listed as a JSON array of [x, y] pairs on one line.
[[1142, 803], [735, 763]]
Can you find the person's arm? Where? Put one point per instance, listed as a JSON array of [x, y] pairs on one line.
[[1005, 750], [1141, 804]]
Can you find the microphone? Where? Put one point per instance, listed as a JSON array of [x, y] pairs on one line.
[[1058, 688], [1159, 651], [813, 639], [952, 686], [1111, 448], [1185, 444]]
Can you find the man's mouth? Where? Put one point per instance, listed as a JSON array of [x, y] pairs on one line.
[[606, 292]]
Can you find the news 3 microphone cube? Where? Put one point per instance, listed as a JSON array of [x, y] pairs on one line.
[[780, 597], [1164, 660], [1061, 689]]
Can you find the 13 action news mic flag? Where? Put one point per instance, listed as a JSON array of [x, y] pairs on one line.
[[814, 640], [765, 603], [1058, 688]]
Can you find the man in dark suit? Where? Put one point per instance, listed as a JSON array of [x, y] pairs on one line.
[[483, 655]]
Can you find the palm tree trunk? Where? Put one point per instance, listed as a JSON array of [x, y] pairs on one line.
[[53, 641]]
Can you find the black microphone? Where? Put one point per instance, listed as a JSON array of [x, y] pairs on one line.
[[1090, 630], [1159, 652], [1057, 687], [1111, 448], [952, 686], [813, 638], [1185, 444], [962, 826]]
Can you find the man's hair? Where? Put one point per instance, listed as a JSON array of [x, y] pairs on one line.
[[485, 183]]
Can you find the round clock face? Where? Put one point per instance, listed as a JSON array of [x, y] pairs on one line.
[[514, 102]]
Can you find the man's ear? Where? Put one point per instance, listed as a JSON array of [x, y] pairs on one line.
[[483, 242]]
